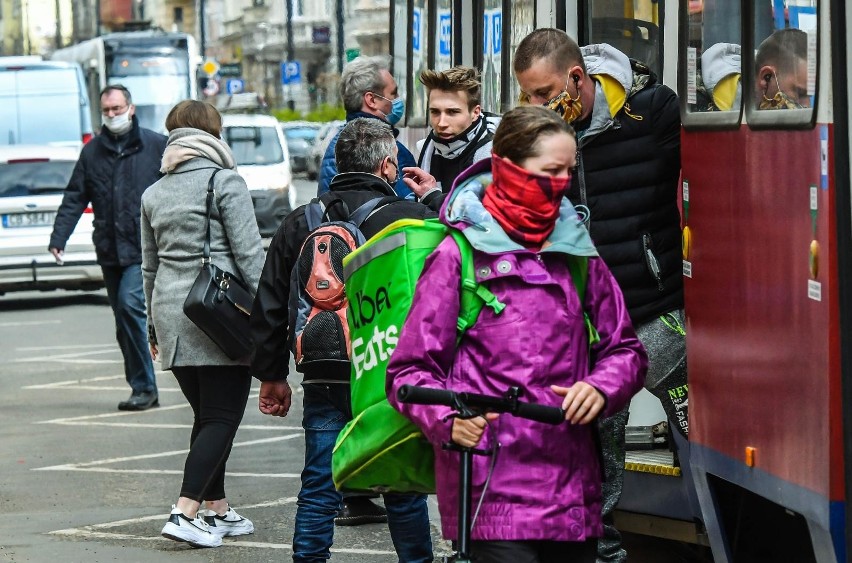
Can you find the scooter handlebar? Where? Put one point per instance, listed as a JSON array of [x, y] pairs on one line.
[[431, 396]]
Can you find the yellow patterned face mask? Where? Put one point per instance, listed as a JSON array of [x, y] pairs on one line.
[[563, 104], [566, 106], [779, 101]]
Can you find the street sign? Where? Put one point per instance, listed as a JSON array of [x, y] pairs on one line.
[[230, 70], [210, 67], [212, 87], [291, 72], [235, 86], [352, 54]]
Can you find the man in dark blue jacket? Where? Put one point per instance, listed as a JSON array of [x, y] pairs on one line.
[[626, 180], [368, 90], [113, 170]]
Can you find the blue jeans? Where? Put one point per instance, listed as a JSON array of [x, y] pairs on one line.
[[124, 290], [327, 409]]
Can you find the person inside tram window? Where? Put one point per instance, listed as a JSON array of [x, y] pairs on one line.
[[461, 132], [720, 88], [781, 65], [626, 181]]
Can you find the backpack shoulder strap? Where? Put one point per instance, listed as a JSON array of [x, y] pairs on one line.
[[314, 212], [474, 295], [365, 210], [579, 268]]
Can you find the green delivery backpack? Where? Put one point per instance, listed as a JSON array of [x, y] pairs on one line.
[[379, 449]]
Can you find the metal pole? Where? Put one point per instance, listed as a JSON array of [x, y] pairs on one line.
[[202, 34], [339, 36], [97, 18], [58, 35], [291, 55], [465, 479]]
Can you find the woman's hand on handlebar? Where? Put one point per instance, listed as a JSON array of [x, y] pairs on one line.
[[468, 432], [582, 402]]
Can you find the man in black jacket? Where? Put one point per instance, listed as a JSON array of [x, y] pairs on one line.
[[113, 170], [366, 155], [626, 179]]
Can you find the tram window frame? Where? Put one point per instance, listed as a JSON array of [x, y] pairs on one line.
[[411, 118], [585, 29], [507, 100], [401, 77], [758, 119], [479, 55], [703, 120]]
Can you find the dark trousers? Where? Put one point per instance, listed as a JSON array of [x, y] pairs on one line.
[[327, 408], [537, 551], [217, 395], [124, 291]]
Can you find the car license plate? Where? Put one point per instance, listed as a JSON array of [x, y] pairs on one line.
[[31, 219]]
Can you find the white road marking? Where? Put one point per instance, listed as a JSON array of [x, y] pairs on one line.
[[166, 472], [79, 466], [29, 323], [170, 426], [76, 382], [94, 531], [67, 357]]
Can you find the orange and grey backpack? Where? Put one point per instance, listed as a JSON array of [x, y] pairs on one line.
[[318, 305]]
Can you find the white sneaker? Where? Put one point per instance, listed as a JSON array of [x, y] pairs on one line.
[[230, 524], [193, 531]]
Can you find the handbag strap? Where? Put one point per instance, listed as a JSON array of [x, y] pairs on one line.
[[205, 257]]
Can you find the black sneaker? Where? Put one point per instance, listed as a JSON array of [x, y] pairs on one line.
[[357, 511], [193, 531]]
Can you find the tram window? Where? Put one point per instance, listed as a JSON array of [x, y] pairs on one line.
[[399, 62], [492, 49], [713, 58], [523, 23], [784, 65], [631, 26], [442, 44], [419, 44]]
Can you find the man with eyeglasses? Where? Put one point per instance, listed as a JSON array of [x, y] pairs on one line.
[[113, 170], [367, 158]]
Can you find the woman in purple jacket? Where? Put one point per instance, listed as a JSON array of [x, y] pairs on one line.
[[539, 493]]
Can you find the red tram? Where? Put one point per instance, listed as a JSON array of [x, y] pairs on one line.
[[767, 219]]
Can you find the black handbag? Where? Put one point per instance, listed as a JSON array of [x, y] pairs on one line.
[[218, 303]]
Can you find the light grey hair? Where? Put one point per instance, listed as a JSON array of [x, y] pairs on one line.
[[362, 75], [363, 144]]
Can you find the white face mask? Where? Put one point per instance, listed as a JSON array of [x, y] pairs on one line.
[[118, 124]]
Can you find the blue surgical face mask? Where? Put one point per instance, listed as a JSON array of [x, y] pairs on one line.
[[397, 109]]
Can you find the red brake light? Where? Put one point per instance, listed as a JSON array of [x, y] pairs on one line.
[[87, 137], [88, 209], [27, 160]]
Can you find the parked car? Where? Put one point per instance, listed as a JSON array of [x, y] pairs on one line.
[[324, 137], [43, 102], [262, 158], [32, 180], [301, 136]]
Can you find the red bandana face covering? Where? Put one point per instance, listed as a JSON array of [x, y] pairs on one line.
[[524, 204]]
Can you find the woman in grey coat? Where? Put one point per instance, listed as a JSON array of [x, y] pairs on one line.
[[173, 228]]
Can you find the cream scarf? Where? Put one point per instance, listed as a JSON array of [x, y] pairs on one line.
[[187, 143]]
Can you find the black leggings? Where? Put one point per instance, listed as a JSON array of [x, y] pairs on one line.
[[217, 395]]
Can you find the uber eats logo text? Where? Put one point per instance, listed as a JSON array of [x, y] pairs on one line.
[[364, 309]]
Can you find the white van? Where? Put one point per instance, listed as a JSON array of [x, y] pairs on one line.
[[260, 150], [43, 102]]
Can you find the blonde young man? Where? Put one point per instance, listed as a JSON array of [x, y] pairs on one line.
[[461, 132]]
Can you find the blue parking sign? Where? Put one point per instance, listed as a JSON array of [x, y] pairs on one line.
[[291, 72], [415, 29], [497, 32], [235, 86], [445, 24]]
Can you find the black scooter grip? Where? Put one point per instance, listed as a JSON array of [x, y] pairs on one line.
[[541, 413], [425, 395]]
